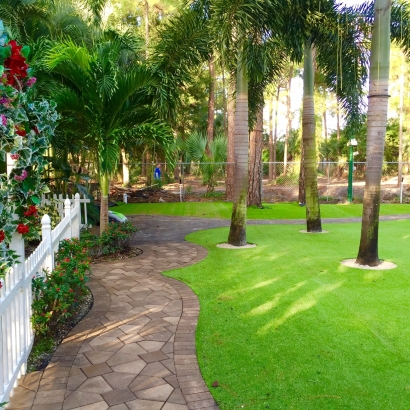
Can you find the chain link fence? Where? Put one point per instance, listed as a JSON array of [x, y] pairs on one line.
[[280, 181]]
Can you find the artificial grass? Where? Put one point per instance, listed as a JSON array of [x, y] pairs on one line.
[[286, 326], [223, 210]]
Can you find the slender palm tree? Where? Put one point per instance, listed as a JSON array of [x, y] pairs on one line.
[[376, 132], [103, 99], [241, 30], [322, 32]]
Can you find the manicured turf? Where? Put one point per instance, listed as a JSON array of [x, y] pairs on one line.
[[271, 211], [285, 326]]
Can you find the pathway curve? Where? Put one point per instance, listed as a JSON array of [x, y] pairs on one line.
[[135, 350]]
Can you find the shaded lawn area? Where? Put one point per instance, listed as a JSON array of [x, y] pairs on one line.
[[223, 210], [285, 326]]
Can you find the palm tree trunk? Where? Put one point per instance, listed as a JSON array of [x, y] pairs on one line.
[[289, 121], [255, 162], [401, 119], [125, 169], [230, 168], [376, 132], [270, 143], [237, 232], [105, 188], [313, 221], [275, 133], [302, 190], [224, 103], [211, 101], [146, 22]]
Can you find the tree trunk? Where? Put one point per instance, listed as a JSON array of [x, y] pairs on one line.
[[146, 22], [401, 120], [125, 169], [302, 190], [230, 167], [224, 103], [211, 101], [237, 232], [289, 121], [313, 221], [149, 168], [275, 132], [376, 132], [255, 162], [339, 167], [105, 189], [270, 143]]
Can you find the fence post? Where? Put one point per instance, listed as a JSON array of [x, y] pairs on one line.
[[75, 231], [46, 235], [67, 213]]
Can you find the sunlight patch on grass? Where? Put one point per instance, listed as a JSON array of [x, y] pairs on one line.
[[304, 303]]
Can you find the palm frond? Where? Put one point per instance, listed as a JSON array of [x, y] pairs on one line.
[[195, 146]]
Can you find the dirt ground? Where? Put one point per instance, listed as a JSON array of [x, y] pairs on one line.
[[192, 190]]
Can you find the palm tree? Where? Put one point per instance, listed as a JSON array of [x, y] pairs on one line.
[[319, 30], [376, 131], [103, 98], [241, 30]]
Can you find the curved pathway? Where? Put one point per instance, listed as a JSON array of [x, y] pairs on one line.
[[135, 350]]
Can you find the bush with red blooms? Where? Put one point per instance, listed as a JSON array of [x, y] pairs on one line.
[[26, 126], [57, 295]]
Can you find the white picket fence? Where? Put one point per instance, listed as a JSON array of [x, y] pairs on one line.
[[59, 202], [16, 334]]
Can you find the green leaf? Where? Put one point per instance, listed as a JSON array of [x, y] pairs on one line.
[[35, 199], [28, 184]]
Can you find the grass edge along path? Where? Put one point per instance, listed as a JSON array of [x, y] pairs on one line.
[[223, 210], [286, 326]]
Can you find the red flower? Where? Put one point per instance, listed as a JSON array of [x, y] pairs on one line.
[[32, 210], [58, 289], [20, 131], [15, 65], [71, 291], [2, 236], [66, 259], [23, 229]]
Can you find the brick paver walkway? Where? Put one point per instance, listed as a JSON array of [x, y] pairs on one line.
[[135, 350]]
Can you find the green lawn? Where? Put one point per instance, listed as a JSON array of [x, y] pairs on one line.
[[285, 326], [271, 211]]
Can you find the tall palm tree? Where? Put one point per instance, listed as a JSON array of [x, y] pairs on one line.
[[103, 98], [376, 132], [241, 30], [318, 28]]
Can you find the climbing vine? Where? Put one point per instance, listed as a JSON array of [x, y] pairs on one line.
[[25, 129]]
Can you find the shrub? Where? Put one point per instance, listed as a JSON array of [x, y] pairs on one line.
[[57, 295], [115, 239]]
